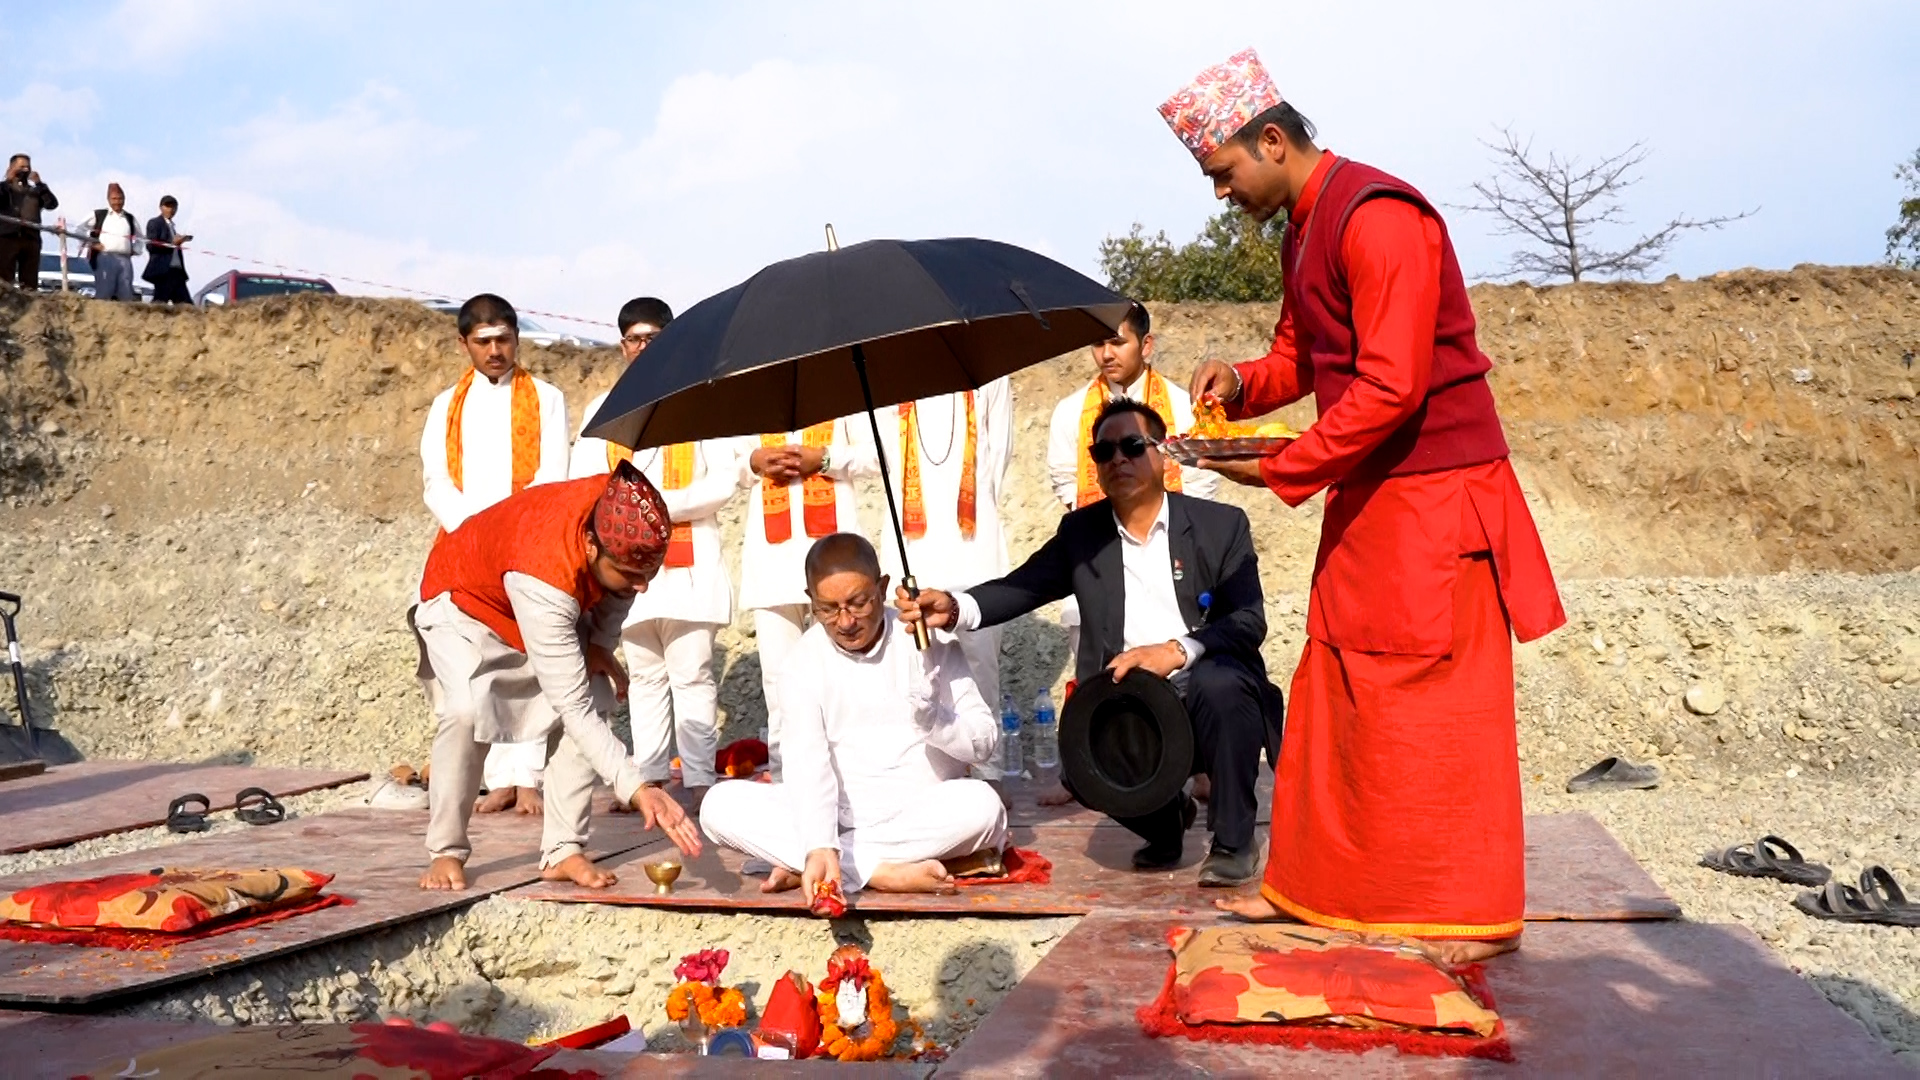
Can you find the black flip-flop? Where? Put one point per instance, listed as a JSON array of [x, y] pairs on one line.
[[180, 819], [1837, 902], [1767, 857], [257, 806], [1615, 774], [1884, 897]]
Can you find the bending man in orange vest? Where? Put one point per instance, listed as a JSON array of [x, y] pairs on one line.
[[520, 610], [1397, 795]]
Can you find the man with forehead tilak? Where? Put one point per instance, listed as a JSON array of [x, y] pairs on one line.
[[520, 610], [1397, 797]]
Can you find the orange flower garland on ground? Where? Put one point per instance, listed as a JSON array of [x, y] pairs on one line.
[[849, 964], [699, 994]]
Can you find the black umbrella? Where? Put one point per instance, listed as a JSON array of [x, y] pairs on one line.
[[829, 334]]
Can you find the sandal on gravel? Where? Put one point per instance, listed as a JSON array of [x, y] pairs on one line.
[[1884, 897], [257, 806], [1615, 774], [1767, 857], [182, 819], [1836, 903]]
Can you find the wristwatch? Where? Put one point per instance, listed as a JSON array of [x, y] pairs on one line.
[[1185, 656], [826, 458]]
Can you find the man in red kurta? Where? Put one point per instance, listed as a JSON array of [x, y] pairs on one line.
[[1397, 795]]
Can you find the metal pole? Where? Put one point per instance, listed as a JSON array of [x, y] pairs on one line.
[[920, 637], [61, 224], [19, 674]]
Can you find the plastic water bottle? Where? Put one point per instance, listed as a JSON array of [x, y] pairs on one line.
[[1012, 760], [1046, 737]]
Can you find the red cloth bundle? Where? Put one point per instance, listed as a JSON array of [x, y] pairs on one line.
[[1024, 866], [1303, 986], [792, 1016], [740, 758], [156, 940]]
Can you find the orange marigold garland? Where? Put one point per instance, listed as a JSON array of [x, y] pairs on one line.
[[699, 993], [848, 967]]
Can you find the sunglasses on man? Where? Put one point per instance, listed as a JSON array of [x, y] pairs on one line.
[[1131, 445]]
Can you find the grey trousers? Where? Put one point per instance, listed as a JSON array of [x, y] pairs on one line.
[[113, 277]]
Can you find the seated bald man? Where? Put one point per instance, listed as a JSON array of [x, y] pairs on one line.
[[878, 738]]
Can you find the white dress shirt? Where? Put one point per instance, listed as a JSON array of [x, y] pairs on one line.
[[1150, 607], [486, 447], [868, 735], [1064, 447], [703, 592], [943, 559], [774, 575], [118, 234]]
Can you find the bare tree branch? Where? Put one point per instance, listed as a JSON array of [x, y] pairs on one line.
[[1553, 204]]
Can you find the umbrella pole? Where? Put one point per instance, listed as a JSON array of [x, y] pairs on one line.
[[893, 511]]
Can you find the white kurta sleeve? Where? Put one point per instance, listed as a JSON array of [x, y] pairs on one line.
[[853, 453], [1063, 451], [549, 622], [704, 497], [957, 722], [806, 757], [445, 501], [996, 448], [589, 457], [555, 436]]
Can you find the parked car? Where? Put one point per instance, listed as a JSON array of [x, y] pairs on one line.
[[530, 331], [237, 285], [79, 276]]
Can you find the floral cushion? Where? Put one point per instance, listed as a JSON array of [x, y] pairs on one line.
[[1303, 974], [167, 899]]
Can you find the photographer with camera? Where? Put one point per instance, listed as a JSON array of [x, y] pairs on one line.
[[23, 196]]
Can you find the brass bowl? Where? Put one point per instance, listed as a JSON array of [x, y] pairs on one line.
[[663, 874]]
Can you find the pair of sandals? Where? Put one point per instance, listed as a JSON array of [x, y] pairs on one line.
[[255, 806], [1878, 900]]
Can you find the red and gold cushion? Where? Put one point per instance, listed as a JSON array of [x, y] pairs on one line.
[[1304, 974], [171, 900]]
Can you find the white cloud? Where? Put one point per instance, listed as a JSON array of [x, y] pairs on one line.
[[375, 131], [161, 35], [38, 108]]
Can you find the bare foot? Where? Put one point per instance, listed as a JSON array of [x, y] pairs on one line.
[[579, 870], [1464, 951], [495, 801], [926, 876], [1203, 787], [445, 874], [1057, 795], [527, 800], [780, 879], [1253, 907]]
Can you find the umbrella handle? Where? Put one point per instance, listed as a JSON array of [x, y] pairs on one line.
[[921, 637]]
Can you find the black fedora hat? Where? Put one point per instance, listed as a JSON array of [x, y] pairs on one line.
[[1126, 747]]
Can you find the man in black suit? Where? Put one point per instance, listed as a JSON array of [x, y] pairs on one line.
[[1139, 562], [166, 262]]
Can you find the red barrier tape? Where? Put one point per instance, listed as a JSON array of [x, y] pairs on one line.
[[198, 250]]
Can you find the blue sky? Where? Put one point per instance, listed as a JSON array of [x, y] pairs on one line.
[[571, 155]]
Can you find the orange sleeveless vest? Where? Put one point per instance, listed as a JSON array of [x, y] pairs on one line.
[[537, 532]]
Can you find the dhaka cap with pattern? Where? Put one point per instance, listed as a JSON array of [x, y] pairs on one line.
[[1219, 102], [631, 520]]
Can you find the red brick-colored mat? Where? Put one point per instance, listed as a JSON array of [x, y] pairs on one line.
[[377, 857], [1575, 870], [1579, 999], [70, 803]]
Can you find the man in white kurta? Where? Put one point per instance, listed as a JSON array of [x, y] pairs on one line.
[[943, 556], [669, 633], [505, 415], [879, 736], [1123, 367], [773, 579]]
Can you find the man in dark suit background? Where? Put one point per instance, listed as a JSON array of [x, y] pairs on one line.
[[166, 262], [1139, 561]]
